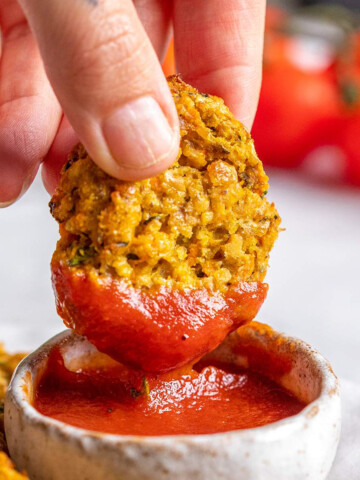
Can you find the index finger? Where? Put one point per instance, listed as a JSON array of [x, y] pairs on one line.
[[219, 48]]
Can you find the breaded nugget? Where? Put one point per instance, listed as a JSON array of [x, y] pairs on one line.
[[205, 222], [7, 470], [157, 272], [8, 363]]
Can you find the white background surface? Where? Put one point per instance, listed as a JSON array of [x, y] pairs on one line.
[[314, 275]]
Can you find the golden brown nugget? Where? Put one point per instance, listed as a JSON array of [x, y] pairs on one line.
[[157, 272], [205, 222]]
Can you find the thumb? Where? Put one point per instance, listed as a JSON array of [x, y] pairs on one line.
[[109, 82]]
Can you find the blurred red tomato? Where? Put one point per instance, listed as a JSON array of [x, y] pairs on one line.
[[295, 113], [349, 143], [275, 16], [310, 94]]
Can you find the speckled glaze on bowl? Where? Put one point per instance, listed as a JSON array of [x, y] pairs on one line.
[[296, 448]]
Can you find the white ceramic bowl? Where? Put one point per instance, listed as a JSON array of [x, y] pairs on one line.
[[296, 448]]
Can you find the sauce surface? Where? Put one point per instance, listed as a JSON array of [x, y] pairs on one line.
[[206, 399]]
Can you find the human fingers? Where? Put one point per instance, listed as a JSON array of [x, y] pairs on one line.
[[64, 141], [155, 15], [108, 79], [219, 50], [29, 111]]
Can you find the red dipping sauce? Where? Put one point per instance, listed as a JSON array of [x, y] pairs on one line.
[[199, 400]]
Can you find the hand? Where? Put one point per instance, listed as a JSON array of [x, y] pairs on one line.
[[101, 59]]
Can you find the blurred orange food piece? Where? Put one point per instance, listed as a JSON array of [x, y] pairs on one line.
[[168, 65]]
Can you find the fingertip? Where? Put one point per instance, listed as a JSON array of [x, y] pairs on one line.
[[230, 62], [15, 181], [137, 161], [19, 162], [136, 141], [240, 92], [10, 189], [27, 126], [50, 178], [135, 174], [134, 159], [64, 142]]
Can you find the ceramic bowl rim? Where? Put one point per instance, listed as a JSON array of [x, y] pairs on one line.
[[329, 388]]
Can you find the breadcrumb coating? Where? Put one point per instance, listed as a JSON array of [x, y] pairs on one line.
[[7, 469], [204, 222], [8, 363]]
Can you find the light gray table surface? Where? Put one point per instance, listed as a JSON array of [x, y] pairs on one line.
[[314, 288]]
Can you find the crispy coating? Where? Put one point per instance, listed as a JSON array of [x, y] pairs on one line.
[[8, 363], [205, 222], [7, 470]]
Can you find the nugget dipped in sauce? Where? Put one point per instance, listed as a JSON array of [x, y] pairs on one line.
[[157, 272]]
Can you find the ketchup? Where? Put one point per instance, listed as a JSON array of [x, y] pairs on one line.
[[206, 398], [157, 330]]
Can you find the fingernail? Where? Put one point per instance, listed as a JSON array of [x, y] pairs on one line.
[[138, 134]]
